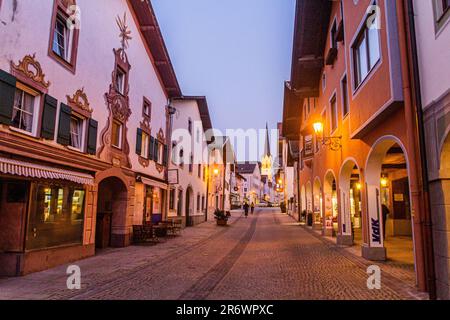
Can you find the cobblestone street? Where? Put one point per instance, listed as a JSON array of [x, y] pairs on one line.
[[267, 256]]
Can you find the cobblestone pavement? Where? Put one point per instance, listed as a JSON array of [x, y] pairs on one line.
[[266, 256]]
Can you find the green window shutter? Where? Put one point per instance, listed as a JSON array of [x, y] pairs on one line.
[[139, 141], [7, 93], [166, 156], [92, 137], [155, 151], [151, 148], [64, 125], [49, 118]]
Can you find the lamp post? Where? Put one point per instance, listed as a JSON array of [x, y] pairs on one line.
[[333, 143]]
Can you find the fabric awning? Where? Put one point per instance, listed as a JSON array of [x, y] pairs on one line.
[[154, 183], [31, 170]]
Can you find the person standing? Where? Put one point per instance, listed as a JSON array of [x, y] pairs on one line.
[[253, 208], [246, 209]]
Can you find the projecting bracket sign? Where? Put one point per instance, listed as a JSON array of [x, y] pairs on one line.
[[173, 177]]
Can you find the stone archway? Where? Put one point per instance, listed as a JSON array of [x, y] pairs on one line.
[[330, 203], [350, 209], [317, 204], [112, 204]]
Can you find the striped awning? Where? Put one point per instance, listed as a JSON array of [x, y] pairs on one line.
[[31, 170]]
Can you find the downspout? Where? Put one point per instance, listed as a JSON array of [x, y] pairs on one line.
[[428, 225], [169, 125], [415, 179]]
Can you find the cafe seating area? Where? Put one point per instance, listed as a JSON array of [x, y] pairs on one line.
[[154, 232]]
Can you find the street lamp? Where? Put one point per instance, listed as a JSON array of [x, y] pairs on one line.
[[333, 143], [384, 182]]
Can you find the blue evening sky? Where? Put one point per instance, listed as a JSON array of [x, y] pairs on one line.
[[235, 52]]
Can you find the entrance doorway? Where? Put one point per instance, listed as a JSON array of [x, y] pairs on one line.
[[180, 203], [111, 213], [189, 206]]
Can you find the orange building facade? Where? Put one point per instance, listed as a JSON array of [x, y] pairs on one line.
[[348, 104]]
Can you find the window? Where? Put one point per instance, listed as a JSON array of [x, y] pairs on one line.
[[345, 105], [120, 81], [442, 13], [199, 170], [146, 108], [190, 126], [23, 116], [62, 39], [333, 35], [191, 163], [366, 53], [116, 135], [198, 136], [203, 202], [198, 203], [172, 199], [181, 157], [76, 132], [144, 144], [334, 114], [64, 33], [56, 216]]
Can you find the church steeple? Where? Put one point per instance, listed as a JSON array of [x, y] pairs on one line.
[[267, 144], [266, 163]]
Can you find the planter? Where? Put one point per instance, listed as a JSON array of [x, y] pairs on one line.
[[222, 222]]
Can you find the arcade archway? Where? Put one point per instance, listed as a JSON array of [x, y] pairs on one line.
[[317, 204], [389, 205], [351, 217], [330, 205]]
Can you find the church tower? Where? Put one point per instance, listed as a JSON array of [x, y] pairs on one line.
[[267, 161]]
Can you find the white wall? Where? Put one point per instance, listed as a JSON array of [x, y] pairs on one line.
[[188, 109], [434, 53]]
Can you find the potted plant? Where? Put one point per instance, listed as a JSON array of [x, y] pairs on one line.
[[221, 217]]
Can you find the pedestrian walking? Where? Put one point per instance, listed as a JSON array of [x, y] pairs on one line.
[[253, 208], [246, 209]]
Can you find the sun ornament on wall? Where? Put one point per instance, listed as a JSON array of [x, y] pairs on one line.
[[125, 33]]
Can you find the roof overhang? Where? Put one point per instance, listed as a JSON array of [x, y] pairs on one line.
[[203, 109], [292, 114], [151, 33], [310, 34]]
